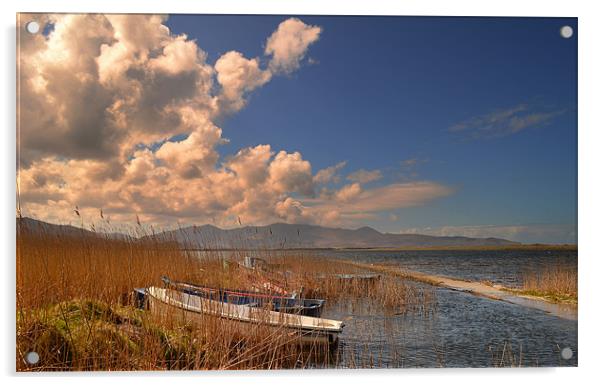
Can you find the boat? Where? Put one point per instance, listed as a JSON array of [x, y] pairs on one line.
[[191, 307], [262, 282], [279, 303], [254, 262], [366, 278]]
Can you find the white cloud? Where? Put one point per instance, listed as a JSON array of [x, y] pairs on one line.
[[289, 210], [194, 155], [102, 98], [289, 43], [352, 203], [364, 176], [251, 165], [179, 55], [289, 172], [98, 85], [237, 76], [348, 192], [398, 195], [505, 122], [329, 174]]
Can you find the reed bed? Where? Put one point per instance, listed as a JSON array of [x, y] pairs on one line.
[[74, 304], [321, 278], [88, 335], [74, 310], [557, 282], [505, 356]]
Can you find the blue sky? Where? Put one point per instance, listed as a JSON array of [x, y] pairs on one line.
[[441, 126], [486, 106]]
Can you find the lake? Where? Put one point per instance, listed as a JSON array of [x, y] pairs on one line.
[[464, 330]]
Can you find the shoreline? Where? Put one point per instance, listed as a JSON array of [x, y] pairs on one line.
[[496, 292], [526, 247]]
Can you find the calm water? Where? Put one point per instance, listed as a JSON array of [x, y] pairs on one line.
[[503, 267], [465, 330]]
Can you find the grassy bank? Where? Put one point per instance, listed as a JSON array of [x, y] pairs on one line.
[[91, 335], [556, 283]]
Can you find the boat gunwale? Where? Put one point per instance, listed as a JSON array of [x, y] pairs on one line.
[[319, 329], [303, 304]]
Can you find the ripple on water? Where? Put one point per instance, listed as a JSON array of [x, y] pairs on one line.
[[465, 330]]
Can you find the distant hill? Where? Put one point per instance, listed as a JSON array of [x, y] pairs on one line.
[[283, 235], [50, 229], [277, 236], [36, 226]]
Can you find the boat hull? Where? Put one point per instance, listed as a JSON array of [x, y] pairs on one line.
[[190, 309], [284, 304]]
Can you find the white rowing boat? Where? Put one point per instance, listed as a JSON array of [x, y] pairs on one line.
[[193, 308]]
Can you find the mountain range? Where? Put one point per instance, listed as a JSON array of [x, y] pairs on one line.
[[282, 236]]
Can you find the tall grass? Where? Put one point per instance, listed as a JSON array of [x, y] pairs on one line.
[[319, 277], [55, 267], [73, 308], [556, 282], [74, 304]]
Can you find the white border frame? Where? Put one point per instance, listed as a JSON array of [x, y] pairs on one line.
[[590, 62]]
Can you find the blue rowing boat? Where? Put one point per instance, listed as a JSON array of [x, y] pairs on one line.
[[283, 304]]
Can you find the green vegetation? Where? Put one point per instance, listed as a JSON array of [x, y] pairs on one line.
[[90, 335], [546, 295], [555, 283]]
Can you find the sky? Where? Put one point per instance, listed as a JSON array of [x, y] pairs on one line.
[[442, 126]]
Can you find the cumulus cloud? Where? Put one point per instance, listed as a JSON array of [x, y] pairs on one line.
[[397, 195], [289, 209], [351, 202], [289, 43], [364, 176], [329, 174], [117, 112], [504, 122], [194, 155], [289, 172], [251, 165], [178, 56], [98, 85], [411, 163], [238, 75], [348, 192]]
